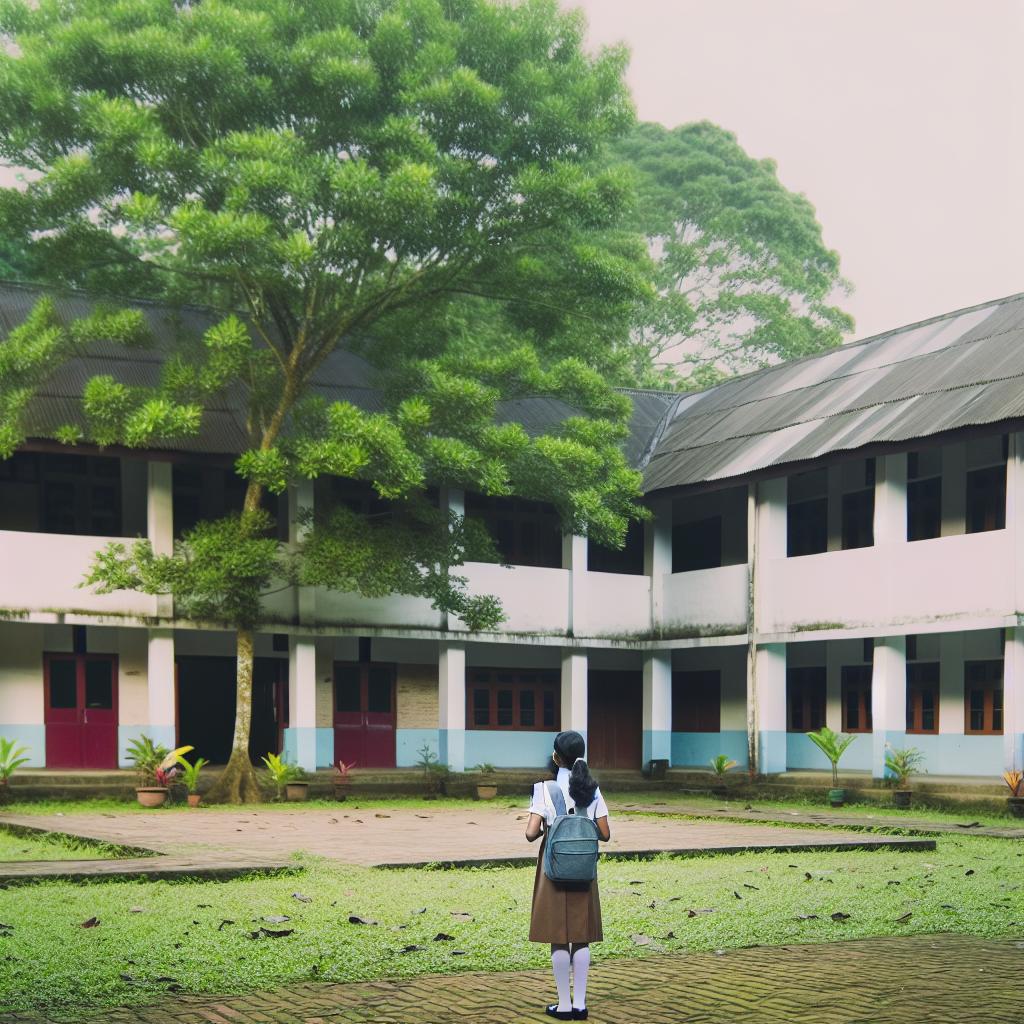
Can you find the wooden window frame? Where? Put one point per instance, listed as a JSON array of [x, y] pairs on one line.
[[711, 525], [999, 511], [861, 686], [991, 706], [847, 520], [537, 680], [792, 534], [706, 711], [916, 688], [799, 686], [515, 514]]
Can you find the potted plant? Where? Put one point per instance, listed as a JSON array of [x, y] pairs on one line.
[[11, 759], [1015, 783], [190, 776], [435, 774], [156, 766], [343, 779], [833, 746], [901, 764], [486, 790], [719, 766], [289, 779]]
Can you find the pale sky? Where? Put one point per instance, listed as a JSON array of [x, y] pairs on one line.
[[900, 120]]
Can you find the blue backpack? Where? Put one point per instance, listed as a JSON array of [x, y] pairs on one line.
[[570, 853]]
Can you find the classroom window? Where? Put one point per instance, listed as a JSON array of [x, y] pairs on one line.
[[807, 527], [924, 508], [856, 697], [858, 513], [697, 544], [512, 699], [629, 560], [697, 701], [805, 698], [923, 697], [983, 697], [986, 499], [524, 532]]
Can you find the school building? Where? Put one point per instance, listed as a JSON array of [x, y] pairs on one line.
[[837, 540]]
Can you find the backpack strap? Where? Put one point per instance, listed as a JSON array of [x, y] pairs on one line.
[[553, 793]]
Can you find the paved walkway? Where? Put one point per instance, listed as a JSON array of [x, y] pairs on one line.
[[748, 813], [227, 840], [937, 979]]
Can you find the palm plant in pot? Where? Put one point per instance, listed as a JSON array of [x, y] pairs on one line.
[[486, 788], [343, 779], [720, 765], [11, 759], [289, 779], [156, 767], [190, 776], [435, 773], [833, 746], [901, 764], [1015, 783]]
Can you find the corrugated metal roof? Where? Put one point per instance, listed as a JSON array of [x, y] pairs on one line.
[[962, 369], [343, 376]]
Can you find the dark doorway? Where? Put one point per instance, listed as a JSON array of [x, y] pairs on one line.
[[80, 710], [206, 706], [615, 719], [364, 714]]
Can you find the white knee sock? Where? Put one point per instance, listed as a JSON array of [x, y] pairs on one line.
[[560, 965], [580, 970]]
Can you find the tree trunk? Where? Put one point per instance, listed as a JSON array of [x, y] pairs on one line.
[[238, 783]]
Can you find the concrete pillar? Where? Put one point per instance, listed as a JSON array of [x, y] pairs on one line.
[[574, 691], [452, 500], [160, 521], [769, 689], [1013, 700], [834, 492], [451, 703], [300, 500], [890, 525], [658, 555], [574, 558], [657, 705], [888, 699], [954, 488], [160, 688], [951, 684], [300, 736], [1015, 512]]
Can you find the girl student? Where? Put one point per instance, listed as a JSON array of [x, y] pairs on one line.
[[567, 917]]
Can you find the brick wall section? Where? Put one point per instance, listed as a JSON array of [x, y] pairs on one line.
[[417, 697]]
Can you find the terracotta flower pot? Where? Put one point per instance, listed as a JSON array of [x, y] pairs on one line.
[[151, 796], [194, 799], [296, 791], [1016, 805], [341, 790], [486, 792]]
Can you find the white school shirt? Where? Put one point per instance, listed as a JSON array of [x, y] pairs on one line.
[[597, 809]]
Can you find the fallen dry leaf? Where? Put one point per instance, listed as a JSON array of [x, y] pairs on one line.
[[91, 923]]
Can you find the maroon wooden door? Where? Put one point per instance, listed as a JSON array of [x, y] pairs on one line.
[[364, 714], [615, 719], [80, 710]]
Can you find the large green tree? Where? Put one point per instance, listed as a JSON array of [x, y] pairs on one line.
[[744, 277], [409, 178]]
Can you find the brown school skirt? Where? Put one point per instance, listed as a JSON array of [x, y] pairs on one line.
[[563, 915]]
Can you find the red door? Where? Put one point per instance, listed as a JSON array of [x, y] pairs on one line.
[[81, 710], [364, 714], [615, 719]]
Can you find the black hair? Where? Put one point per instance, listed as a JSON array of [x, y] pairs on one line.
[[570, 747]]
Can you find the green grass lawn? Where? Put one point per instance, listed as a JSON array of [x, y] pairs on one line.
[[197, 937], [52, 847]]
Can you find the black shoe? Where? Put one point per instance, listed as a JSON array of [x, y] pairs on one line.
[[580, 1014], [554, 1011]]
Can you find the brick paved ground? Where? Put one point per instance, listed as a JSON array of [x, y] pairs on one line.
[[938, 979], [398, 837], [865, 820]]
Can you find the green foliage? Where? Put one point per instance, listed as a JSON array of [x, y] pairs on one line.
[[903, 762], [833, 746], [190, 771], [743, 276], [435, 773], [11, 757], [282, 772], [486, 768], [720, 764], [147, 757]]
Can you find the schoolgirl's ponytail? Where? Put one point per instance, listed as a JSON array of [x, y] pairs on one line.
[[570, 747]]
